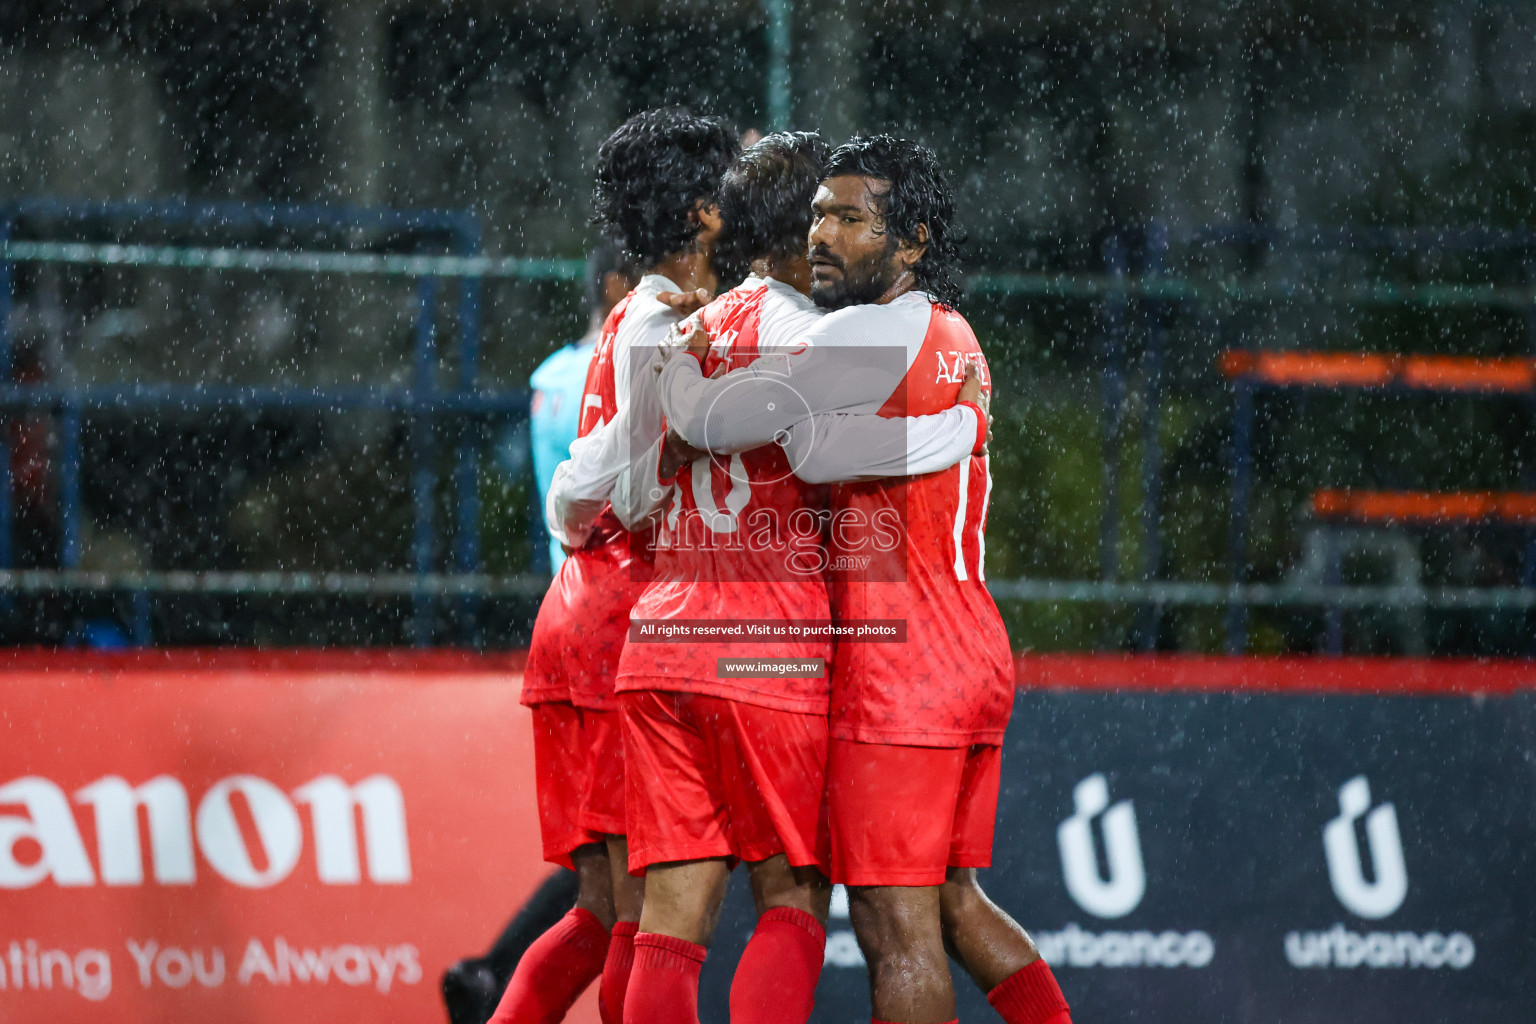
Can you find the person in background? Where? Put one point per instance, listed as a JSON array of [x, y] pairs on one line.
[[558, 382], [472, 987]]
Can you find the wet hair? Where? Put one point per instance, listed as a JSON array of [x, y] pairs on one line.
[[651, 172], [604, 259], [920, 193], [765, 199]]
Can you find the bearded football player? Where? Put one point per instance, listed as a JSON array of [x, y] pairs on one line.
[[916, 727]]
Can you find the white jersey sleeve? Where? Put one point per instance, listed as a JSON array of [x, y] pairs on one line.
[[583, 485], [569, 512], [833, 447], [849, 361], [639, 494]]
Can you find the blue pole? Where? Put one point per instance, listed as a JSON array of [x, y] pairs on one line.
[[1237, 537], [1112, 387], [466, 551], [1151, 448], [777, 13], [7, 497], [423, 479], [69, 483]]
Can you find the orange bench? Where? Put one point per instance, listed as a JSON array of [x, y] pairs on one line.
[[1425, 507], [1467, 374], [1251, 372]]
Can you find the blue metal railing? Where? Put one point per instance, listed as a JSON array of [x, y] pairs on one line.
[[1135, 273], [1445, 239], [1133, 280]]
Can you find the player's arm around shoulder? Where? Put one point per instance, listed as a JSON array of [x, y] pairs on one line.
[[817, 371], [842, 447], [583, 485]]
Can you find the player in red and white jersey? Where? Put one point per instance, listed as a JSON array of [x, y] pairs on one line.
[[913, 773], [723, 767], [656, 178], [739, 537], [730, 766]]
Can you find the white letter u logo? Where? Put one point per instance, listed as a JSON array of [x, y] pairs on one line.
[[1346, 869], [1127, 883]]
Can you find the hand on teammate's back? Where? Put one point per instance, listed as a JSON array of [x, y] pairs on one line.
[[971, 391], [686, 303], [688, 336], [677, 453], [699, 342]]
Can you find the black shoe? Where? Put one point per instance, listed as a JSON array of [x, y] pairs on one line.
[[471, 992]]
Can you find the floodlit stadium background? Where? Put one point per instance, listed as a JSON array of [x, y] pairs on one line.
[[1257, 283]]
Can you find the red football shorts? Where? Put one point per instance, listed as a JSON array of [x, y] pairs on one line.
[[902, 815], [712, 777], [578, 758]]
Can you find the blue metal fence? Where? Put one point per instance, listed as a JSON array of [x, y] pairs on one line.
[[1415, 241], [422, 401], [1134, 280]]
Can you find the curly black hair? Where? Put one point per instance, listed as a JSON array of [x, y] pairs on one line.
[[920, 193], [650, 174], [765, 198]]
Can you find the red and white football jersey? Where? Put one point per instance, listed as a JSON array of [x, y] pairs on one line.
[[584, 618], [741, 541], [951, 683], [908, 546]]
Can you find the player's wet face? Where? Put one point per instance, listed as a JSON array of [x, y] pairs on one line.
[[852, 255]]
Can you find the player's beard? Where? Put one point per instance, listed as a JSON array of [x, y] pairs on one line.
[[861, 282]]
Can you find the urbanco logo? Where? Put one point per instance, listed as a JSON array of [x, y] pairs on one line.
[[1121, 892], [48, 825], [1381, 897], [1111, 897]]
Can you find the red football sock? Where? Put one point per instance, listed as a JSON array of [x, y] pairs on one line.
[[1030, 995], [556, 969], [621, 957], [775, 980], [664, 983]]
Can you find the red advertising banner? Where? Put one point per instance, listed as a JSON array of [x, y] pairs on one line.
[[257, 838], [284, 837]]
